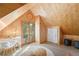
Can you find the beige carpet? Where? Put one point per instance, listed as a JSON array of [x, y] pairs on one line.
[[57, 50]]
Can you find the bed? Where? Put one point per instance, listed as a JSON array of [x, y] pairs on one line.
[[8, 46]]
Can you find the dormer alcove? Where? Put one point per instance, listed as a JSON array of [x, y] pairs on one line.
[[33, 29]]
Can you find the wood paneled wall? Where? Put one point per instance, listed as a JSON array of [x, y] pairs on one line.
[[40, 30], [14, 29], [64, 15], [11, 31], [43, 31]]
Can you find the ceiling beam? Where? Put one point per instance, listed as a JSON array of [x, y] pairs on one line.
[[11, 17]]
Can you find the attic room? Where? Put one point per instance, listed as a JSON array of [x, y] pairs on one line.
[[41, 29]]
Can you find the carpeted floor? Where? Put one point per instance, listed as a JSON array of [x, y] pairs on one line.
[[57, 50]]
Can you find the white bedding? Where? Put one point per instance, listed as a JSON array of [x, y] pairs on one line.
[[9, 42]]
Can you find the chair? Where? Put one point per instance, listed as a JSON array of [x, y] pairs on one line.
[[76, 44], [67, 42]]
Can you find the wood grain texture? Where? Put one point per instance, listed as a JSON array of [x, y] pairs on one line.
[[43, 31], [40, 30], [14, 29], [6, 8], [60, 14]]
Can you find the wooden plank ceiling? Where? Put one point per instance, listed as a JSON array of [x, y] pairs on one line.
[[64, 15], [6, 8]]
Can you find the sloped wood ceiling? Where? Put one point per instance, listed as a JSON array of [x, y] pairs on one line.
[[64, 15], [6, 8]]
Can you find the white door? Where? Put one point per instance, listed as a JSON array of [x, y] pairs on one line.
[[53, 35]]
